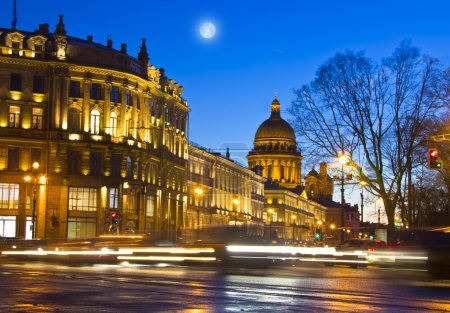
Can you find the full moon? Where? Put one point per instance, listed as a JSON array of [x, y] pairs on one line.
[[207, 30]]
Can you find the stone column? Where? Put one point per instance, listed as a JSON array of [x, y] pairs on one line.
[[86, 101]]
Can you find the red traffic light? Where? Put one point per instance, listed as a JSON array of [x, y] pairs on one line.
[[113, 214], [433, 153]]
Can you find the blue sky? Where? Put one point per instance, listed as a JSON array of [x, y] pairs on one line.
[[260, 47]]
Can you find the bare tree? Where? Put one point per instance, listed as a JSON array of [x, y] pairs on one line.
[[375, 112]]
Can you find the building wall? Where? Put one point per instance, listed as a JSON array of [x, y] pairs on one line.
[[107, 138], [222, 181]]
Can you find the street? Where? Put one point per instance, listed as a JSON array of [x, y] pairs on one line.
[[305, 287]]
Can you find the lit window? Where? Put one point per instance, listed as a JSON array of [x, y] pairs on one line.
[[37, 118], [14, 116], [9, 196], [82, 199], [113, 124], [95, 122], [114, 198]]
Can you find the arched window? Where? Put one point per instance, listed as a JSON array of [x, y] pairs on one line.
[[113, 124], [74, 120], [95, 122]]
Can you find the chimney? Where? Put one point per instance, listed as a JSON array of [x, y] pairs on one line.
[[323, 169], [89, 38], [109, 43], [123, 48], [43, 28]]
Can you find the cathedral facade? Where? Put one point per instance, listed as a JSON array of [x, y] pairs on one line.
[[289, 214]]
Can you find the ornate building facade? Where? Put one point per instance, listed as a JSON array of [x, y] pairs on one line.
[[288, 213], [231, 194], [107, 130]]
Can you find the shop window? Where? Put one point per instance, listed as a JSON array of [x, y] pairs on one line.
[[7, 226], [82, 199], [81, 227]]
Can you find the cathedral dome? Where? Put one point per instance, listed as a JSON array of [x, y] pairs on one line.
[[275, 129]]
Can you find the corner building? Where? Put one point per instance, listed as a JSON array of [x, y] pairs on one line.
[[108, 131]]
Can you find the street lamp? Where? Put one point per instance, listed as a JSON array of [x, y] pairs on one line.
[[342, 160], [379, 202], [42, 180], [363, 184], [235, 207], [198, 193]]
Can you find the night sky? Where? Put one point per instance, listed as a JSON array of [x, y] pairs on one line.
[[261, 47]]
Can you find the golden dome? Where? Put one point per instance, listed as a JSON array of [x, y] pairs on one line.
[[275, 129]]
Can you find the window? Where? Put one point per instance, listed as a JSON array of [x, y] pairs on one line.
[[35, 155], [264, 217], [38, 51], [114, 198], [81, 227], [115, 94], [113, 124], [74, 89], [15, 82], [128, 97], [14, 116], [9, 196], [73, 162], [95, 161], [36, 118], [38, 84], [116, 165], [274, 217], [96, 91], [8, 226], [95, 122], [152, 108], [15, 47], [129, 168], [74, 120], [82, 199], [150, 210]]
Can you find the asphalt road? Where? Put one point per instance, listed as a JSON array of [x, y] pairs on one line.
[[34, 287]]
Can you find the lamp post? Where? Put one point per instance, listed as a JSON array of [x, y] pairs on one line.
[[363, 184], [33, 214], [198, 193], [235, 207], [379, 202], [342, 160]]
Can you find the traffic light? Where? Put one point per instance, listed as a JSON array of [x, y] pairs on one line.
[[114, 218], [434, 162]]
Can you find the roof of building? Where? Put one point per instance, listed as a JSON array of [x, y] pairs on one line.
[[275, 128]]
